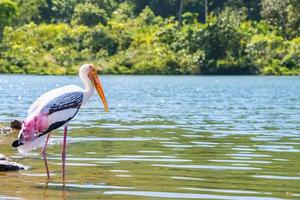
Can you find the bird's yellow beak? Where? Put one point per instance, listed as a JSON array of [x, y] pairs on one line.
[[97, 84]]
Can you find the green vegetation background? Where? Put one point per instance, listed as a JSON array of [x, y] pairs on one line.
[[151, 36]]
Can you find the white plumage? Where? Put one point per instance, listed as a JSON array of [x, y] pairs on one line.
[[38, 104], [30, 146]]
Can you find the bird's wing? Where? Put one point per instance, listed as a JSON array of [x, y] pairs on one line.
[[68, 100], [62, 109], [48, 115], [50, 95]]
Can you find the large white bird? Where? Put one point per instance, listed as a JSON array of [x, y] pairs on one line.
[[55, 109]]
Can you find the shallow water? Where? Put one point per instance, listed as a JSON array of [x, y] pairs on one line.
[[165, 137]]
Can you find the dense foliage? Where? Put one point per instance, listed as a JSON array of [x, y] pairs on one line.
[[145, 36]]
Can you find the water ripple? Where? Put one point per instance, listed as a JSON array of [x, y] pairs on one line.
[[212, 167], [185, 195]]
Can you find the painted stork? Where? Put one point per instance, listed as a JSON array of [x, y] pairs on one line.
[[55, 109]]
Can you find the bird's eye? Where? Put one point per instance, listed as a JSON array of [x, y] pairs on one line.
[[92, 68]]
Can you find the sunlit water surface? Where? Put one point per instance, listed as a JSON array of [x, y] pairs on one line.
[[165, 137]]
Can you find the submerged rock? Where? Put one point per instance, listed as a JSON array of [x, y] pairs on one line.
[[6, 164], [5, 130], [16, 124]]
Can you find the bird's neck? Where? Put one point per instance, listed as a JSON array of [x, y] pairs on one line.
[[89, 89]]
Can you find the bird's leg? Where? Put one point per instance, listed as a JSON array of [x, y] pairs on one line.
[[43, 152], [63, 153]]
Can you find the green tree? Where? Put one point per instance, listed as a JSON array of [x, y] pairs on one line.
[[61, 11], [221, 43], [29, 11], [88, 14], [293, 18], [123, 12], [97, 39], [8, 10], [253, 7], [275, 13], [283, 15], [142, 36]]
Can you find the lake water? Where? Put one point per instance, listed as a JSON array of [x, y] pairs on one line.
[[165, 137]]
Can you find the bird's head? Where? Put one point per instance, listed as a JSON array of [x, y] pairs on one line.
[[91, 72]]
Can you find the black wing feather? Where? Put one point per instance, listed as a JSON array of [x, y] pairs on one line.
[[64, 102]]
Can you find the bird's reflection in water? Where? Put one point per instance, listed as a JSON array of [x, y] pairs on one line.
[[45, 193], [63, 190]]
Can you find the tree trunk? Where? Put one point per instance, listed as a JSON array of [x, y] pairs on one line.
[[249, 13], [180, 12], [1, 32], [206, 11]]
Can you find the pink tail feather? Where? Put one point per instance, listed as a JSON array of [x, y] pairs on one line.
[[32, 126]]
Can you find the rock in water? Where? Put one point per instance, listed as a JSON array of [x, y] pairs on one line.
[[16, 124], [7, 164], [5, 130]]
